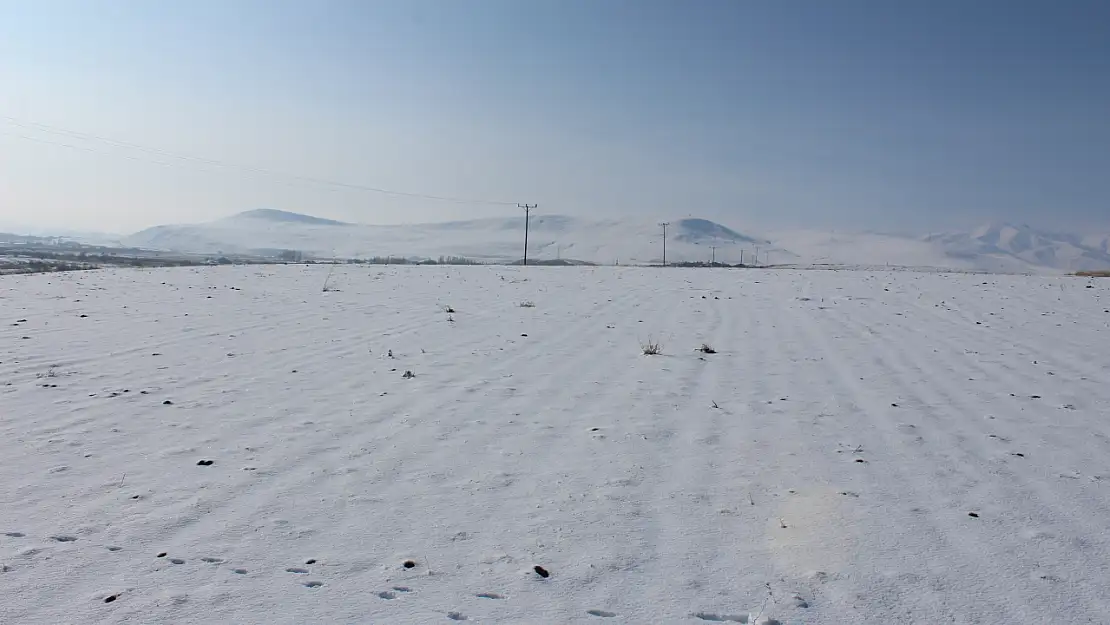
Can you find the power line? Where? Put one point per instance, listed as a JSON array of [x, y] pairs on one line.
[[197, 160], [83, 148], [84, 136]]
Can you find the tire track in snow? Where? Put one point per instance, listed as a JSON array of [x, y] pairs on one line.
[[978, 471], [974, 475], [1018, 411], [486, 463], [543, 456], [684, 426], [401, 442], [905, 373], [920, 534], [1003, 333]]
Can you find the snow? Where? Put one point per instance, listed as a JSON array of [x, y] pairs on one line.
[[996, 246], [822, 467], [625, 241], [633, 240], [870, 249]]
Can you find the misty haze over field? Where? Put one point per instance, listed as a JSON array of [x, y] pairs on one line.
[[993, 247]]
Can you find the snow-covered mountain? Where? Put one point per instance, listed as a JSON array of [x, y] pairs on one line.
[[1009, 245], [993, 247], [626, 240], [252, 217], [1098, 242]]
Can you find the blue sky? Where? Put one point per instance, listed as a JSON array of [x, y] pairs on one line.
[[854, 114]]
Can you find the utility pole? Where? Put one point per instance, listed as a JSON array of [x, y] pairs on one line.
[[712, 254], [527, 216], [665, 224]]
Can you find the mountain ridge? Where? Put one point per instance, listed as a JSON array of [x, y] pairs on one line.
[[279, 216], [995, 247]]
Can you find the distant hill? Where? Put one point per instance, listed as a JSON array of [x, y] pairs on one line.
[[707, 232], [996, 247], [284, 217], [1002, 242], [551, 237]]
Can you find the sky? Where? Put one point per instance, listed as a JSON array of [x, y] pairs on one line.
[[911, 116]]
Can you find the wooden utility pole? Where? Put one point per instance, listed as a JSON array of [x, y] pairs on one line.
[[527, 217], [665, 224]]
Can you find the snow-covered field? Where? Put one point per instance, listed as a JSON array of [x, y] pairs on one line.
[[862, 448]]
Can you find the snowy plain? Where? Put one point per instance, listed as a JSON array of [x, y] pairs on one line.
[[234, 445]]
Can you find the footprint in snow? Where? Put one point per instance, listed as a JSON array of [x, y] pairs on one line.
[[489, 595], [456, 616], [387, 595], [64, 539], [601, 613], [297, 570], [212, 560], [313, 584], [14, 534]]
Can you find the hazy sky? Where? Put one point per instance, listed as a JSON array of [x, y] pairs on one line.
[[906, 114]]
